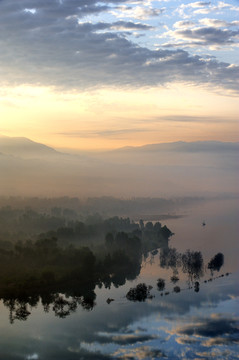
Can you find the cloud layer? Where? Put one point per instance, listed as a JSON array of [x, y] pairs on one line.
[[55, 43]]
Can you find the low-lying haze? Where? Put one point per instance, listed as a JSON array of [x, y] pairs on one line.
[[161, 170]]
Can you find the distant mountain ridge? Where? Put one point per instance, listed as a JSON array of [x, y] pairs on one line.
[[196, 146], [22, 146], [29, 168]]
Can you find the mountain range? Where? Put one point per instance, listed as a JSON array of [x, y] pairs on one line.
[[200, 168], [24, 147]]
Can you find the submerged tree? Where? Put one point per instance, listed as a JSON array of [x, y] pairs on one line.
[[161, 284], [174, 279], [170, 258], [192, 262], [140, 293], [216, 262], [176, 289]]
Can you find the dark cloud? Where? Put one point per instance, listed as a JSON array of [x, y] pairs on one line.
[[202, 36], [48, 46], [154, 353], [143, 352], [212, 327], [118, 25], [130, 25], [208, 36], [125, 339], [229, 340], [184, 24]]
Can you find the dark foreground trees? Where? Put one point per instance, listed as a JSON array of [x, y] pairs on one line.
[[33, 269], [140, 293]]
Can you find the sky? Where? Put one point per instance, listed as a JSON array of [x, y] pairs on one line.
[[88, 74]]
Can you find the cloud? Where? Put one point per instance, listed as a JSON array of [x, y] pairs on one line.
[[187, 118], [198, 4], [129, 25], [215, 23], [126, 339], [122, 28], [140, 353], [218, 23], [204, 7], [118, 25], [187, 341], [203, 37], [193, 5], [211, 327], [217, 8], [229, 340], [184, 24], [123, 132], [138, 12], [114, 133], [54, 46], [84, 353], [217, 353]]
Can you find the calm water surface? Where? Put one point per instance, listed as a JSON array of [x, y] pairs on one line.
[[189, 324]]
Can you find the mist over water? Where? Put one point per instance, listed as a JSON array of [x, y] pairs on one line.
[[197, 312], [119, 202], [128, 254]]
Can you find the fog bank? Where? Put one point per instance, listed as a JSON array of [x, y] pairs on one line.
[[158, 170]]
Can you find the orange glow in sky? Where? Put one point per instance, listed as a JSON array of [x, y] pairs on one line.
[[112, 118]]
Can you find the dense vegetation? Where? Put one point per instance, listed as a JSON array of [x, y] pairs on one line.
[[46, 255], [42, 255], [66, 225], [89, 209]]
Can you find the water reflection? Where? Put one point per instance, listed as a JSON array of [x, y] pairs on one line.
[[19, 308], [216, 263], [64, 298], [66, 277], [193, 312]]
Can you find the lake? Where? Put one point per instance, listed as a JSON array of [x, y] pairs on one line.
[[192, 317]]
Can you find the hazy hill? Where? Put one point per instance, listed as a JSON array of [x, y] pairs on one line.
[[161, 170], [23, 147], [200, 153], [197, 146]]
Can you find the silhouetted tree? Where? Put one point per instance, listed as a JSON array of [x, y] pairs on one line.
[[161, 284], [140, 293], [192, 262], [196, 286], [169, 257], [141, 224], [174, 279], [216, 262], [166, 232]]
